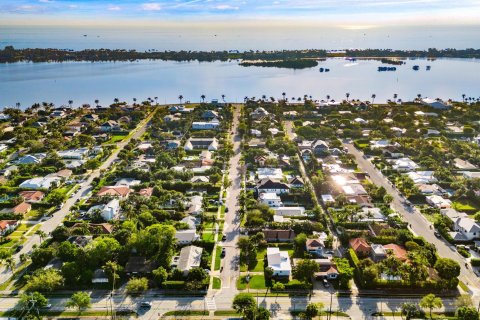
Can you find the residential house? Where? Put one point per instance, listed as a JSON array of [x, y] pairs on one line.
[[90, 117], [80, 241], [32, 196], [95, 228], [422, 177], [360, 246], [463, 164], [370, 215], [470, 174], [40, 183], [145, 192], [271, 199], [109, 126], [139, 266], [111, 210], [186, 236], [290, 211], [191, 221], [190, 257], [436, 103], [7, 226], [397, 251], [100, 276], [279, 261], [438, 202], [127, 182], [378, 252], [195, 205], [392, 152], [209, 115], [6, 172], [431, 189], [320, 148], [30, 159], [257, 143], [268, 185], [202, 125], [210, 144], [315, 247], [296, 182], [271, 173], [453, 214], [279, 235], [404, 165], [58, 114], [259, 114], [327, 269], [114, 191], [468, 227], [199, 179]]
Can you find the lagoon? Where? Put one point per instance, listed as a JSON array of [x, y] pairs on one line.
[[83, 82]]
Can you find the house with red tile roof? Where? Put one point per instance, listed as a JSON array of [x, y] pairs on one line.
[[398, 252], [146, 192], [32, 196], [22, 208], [7, 226], [114, 191], [360, 246]]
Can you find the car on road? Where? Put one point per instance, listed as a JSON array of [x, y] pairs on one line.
[[222, 254], [325, 283], [47, 306], [18, 248], [437, 234], [226, 209], [224, 237], [145, 304]]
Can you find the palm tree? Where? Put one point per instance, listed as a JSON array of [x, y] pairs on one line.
[[328, 97], [419, 96], [463, 97], [223, 97], [134, 101], [96, 102], [264, 97], [156, 100], [10, 263], [284, 95], [431, 301], [17, 105], [41, 234], [203, 98], [373, 97], [180, 98], [347, 95], [115, 100], [395, 96], [70, 102]]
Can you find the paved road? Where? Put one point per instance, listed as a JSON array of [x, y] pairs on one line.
[[230, 263], [84, 189], [356, 307], [418, 223]]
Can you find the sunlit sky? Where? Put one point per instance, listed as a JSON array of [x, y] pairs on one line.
[[348, 12]]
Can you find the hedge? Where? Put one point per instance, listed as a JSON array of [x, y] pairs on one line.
[[475, 262], [173, 285]]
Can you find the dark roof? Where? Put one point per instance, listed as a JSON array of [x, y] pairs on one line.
[[139, 265], [268, 183], [296, 180], [274, 235]]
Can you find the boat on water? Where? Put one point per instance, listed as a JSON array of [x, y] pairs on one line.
[[324, 70], [428, 68], [387, 69], [327, 70], [321, 69], [416, 68], [350, 59]]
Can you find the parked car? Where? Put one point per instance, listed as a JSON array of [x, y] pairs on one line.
[[325, 283], [437, 234], [145, 304], [224, 237], [17, 249], [222, 254]]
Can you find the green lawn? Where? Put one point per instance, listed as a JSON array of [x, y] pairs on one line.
[[256, 282], [33, 215], [217, 283], [115, 138], [208, 236], [33, 230], [218, 259], [465, 206], [226, 313]]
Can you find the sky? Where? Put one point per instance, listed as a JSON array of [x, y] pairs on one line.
[[354, 13]]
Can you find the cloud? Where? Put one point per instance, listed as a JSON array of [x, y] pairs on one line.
[[152, 6], [114, 8], [225, 7], [46, 1]]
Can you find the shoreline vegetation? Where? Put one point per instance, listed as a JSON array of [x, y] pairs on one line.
[[290, 64], [284, 58]]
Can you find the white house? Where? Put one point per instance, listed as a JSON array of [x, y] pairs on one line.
[[271, 199], [76, 154], [31, 159], [425, 177], [315, 246], [109, 126], [370, 215], [210, 144], [467, 227], [272, 173], [289, 211], [404, 164], [206, 125], [186, 236], [195, 205], [39, 183], [4, 117], [190, 257], [127, 182], [279, 261], [111, 210], [470, 174], [438, 202]]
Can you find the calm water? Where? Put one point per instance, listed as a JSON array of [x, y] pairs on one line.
[[239, 37], [84, 82]]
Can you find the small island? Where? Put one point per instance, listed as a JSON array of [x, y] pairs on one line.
[[290, 64]]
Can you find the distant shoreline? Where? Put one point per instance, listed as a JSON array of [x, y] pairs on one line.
[[11, 55]]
